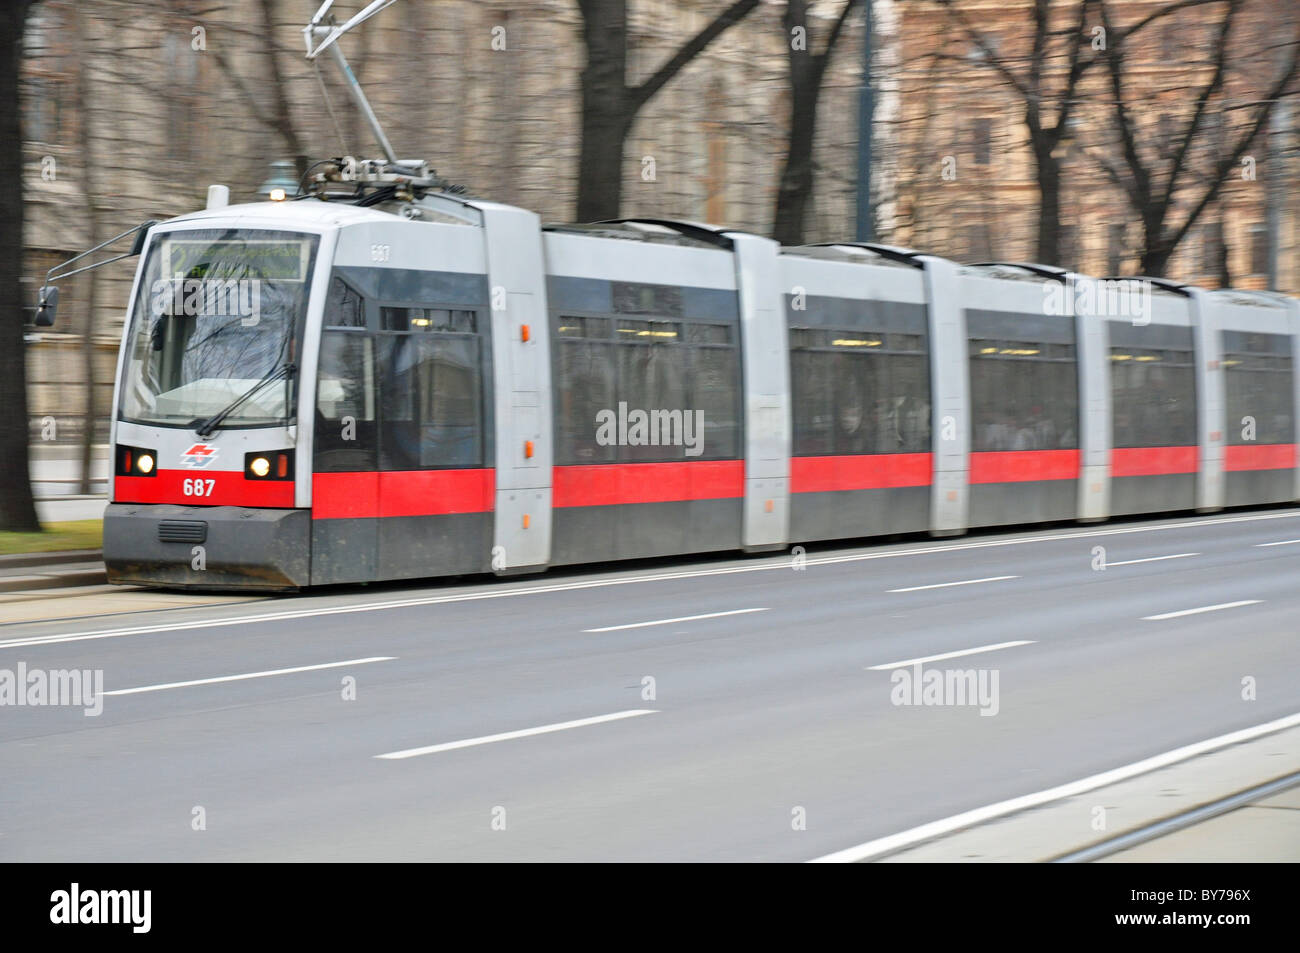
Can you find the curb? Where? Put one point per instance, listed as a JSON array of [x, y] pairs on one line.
[[23, 560], [60, 580]]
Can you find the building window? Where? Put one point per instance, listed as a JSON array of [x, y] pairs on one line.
[[1259, 246], [979, 242], [1211, 248], [981, 135]]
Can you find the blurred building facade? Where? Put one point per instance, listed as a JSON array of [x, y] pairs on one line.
[[136, 106], [967, 185], [487, 90]]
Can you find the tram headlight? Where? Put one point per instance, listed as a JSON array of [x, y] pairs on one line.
[[269, 465], [135, 461]]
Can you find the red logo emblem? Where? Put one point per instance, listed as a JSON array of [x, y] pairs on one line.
[[199, 456]]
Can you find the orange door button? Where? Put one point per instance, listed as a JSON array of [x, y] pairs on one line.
[[523, 333], [528, 449]]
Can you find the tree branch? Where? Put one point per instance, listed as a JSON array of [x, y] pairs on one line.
[[1216, 82], [640, 95]]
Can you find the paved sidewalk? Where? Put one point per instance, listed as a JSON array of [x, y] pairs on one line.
[[1268, 829]]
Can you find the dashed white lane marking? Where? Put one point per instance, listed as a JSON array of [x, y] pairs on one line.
[[935, 658], [240, 678], [1149, 559], [683, 618], [782, 562], [893, 842], [510, 735], [1198, 611], [1280, 542], [945, 585]]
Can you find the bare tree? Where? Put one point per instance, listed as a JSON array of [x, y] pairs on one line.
[[610, 105], [85, 92], [1157, 181], [1048, 108], [807, 69], [279, 118], [17, 509]]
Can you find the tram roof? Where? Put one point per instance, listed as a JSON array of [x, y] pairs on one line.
[[300, 212]]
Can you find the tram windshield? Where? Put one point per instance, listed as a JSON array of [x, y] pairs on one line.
[[216, 312]]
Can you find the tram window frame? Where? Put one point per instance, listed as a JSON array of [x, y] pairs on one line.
[[1140, 417], [828, 362], [671, 344], [419, 420], [1259, 382], [334, 450], [337, 284], [1006, 373]]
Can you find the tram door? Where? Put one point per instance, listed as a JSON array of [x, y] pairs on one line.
[[345, 456]]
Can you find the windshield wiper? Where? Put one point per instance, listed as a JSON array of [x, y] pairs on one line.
[[208, 427]]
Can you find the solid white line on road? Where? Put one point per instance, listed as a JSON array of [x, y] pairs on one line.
[[909, 838], [240, 678], [1183, 612], [945, 585], [1280, 542], [522, 733], [935, 658], [781, 562], [1149, 559], [684, 618]]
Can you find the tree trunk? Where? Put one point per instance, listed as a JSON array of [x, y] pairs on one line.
[[1048, 172], [1155, 259], [17, 510], [607, 110], [90, 193], [609, 105], [796, 185]]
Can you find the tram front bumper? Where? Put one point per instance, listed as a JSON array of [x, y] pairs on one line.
[[207, 547]]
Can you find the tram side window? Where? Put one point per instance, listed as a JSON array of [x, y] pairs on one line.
[[859, 391], [345, 437], [344, 307], [1024, 395], [652, 367], [586, 378], [1259, 388], [679, 373], [431, 409], [714, 385], [1153, 397]]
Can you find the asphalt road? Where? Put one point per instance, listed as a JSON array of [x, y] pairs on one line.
[[767, 710]]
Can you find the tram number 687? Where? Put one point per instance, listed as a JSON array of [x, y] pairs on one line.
[[199, 487]]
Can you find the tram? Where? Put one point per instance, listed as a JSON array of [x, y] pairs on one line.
[[382, 378]]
